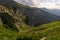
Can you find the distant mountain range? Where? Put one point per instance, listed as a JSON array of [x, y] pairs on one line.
[[54, 11]]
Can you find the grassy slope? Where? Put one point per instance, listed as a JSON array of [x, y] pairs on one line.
[[6, 34], [51, 31]]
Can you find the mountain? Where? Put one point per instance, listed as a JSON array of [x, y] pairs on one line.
[[15, 16], [54, 11], [10, 14], [34, 16], [40, 16]]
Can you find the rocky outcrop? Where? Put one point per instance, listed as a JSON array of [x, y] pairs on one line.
[[9, 18]]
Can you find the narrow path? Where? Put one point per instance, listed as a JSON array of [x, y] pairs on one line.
[[43, 38]]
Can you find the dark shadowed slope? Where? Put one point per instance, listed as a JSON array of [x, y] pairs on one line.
[[39, 16]]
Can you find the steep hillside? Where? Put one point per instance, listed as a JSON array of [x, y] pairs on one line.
[[34, 16], [38, 16], [10, 18], [48, 31]]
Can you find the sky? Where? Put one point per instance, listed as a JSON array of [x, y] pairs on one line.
[[50, 4]]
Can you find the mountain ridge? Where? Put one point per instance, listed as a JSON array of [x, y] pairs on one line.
[[34, 16], [54, 11]]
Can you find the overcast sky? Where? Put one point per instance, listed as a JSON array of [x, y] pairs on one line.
[[51, 4]]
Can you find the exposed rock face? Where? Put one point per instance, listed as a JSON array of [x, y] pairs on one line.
[[9, 18], [1, 22]]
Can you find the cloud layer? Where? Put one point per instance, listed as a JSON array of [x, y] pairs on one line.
[[41, 3]]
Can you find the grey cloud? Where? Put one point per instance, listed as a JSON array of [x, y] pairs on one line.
[[26, 2]]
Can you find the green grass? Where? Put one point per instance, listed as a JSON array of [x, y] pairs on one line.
[[6, 34], [51, 31]]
